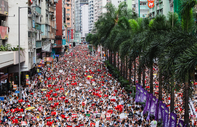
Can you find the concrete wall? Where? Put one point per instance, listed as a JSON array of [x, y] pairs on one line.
[[13, 25]]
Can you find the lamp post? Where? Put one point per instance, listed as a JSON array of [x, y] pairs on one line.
[[19, 65]]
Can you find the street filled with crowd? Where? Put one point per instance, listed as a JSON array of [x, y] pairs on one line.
[[78, 91]]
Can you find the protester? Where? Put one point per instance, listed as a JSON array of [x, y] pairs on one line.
[[76, 91]]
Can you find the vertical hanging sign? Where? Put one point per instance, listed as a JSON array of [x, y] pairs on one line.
[[27, 80], [71, 33]]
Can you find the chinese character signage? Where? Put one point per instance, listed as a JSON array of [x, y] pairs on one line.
[[4, 7], [151, 3]]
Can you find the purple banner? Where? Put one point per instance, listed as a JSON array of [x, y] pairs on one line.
[[165, 117], [156, 109], [173, 121], [137, 95], [147, 101], [141, 94], [144, 97], [159, 115], [149, 105], [181, 123], [153, 106]]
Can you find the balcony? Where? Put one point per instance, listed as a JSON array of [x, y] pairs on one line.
[[6, 58], [11, 57], [38, 9], [51, 9], [3, 32], [38, 26]]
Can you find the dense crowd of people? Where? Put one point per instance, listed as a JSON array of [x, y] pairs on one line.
[[76, 91]]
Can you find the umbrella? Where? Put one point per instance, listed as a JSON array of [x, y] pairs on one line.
[[89, 76], [43, 89], [29, 108]]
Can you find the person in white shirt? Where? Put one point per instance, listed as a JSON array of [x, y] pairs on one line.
[[153, 123]]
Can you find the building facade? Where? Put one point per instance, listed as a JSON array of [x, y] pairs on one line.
[[117, 2], [78, 20], [27, 32], [141, 8], [59, 21], [37, 32], [161, 7], [91, 14], [69, 21], [84, 17], [96, 8]]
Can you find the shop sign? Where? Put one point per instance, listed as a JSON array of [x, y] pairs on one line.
[[27, 80], [151, 3], [4, 7]]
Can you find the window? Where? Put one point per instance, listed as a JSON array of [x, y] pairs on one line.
[[68, 14], [68, 0], [142, 3], [68, 24], [68, 9], [68, 19]]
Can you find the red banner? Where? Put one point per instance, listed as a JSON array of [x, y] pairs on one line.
[[71, 33], [3, 32]]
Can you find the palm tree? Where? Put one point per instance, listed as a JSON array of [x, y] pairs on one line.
[[130, 46], [188, 28]]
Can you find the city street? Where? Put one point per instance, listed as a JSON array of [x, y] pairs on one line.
[[75, 92]]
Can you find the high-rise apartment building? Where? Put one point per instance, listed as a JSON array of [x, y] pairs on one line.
[[117, 2], [69, 20], [91, 14], [141, 8], [84, 21], [57, 49], [96, 8], [163, 7], [37, 27], [48, 25], [78, 20]]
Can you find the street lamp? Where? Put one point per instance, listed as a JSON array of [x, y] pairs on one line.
[[19, 65]]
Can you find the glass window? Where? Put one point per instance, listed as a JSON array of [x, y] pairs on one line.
[[68, 9]]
